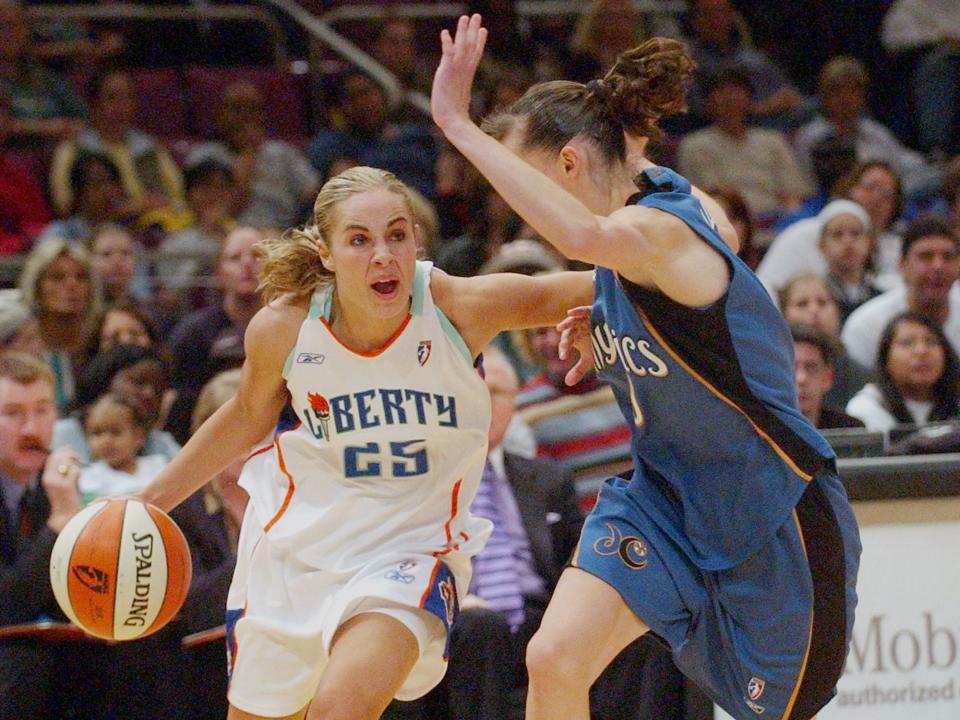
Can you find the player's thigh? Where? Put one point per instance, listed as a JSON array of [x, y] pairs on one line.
[[587, 623], [371, 655]]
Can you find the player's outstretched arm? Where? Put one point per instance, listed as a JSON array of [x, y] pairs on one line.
[[646, 246], [481, 307], [244, 419]]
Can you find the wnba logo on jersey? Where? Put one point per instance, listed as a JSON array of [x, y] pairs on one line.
[[321, 414], [423, 351], [635, 355]]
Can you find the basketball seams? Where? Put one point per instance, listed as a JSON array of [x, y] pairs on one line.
[[179, 568], [91, 553]]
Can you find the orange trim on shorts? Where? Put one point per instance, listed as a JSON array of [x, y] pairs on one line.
[[290, 487], [806, 655], [386, 345], [433, 576], [696, 376], [454, 500]]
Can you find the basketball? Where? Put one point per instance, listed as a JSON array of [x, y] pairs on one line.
[[120, 569]]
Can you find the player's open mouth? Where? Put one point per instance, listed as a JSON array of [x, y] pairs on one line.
[[387, 289]]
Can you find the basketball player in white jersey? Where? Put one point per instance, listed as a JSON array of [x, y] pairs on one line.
[[357, 541]]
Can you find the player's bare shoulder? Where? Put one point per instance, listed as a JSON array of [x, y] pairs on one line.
[[274, 329]]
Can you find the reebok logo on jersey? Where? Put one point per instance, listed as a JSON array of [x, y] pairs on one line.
[[311, 358], [423, 351]]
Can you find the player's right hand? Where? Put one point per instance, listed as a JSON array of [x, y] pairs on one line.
[[575, 334]]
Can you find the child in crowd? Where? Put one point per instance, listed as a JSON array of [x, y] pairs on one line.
[[116, 431], [846, 242]]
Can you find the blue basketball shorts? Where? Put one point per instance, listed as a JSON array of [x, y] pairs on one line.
[[768, 636]]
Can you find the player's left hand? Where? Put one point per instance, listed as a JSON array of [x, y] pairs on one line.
[[450, 96], [575, 334]]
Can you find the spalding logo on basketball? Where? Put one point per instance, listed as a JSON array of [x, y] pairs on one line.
[[120, 569]]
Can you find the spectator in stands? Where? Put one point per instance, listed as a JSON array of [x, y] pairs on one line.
[[930, 264], [842, 86], [186, 257], [44, 105], [808, 300], [150, 177], [873, 185], [137, 374], [740, 216], [61, 291], [122, 323], [114, 261], [759, 162], [395, 47], [211, 340], [604, 29], [98, 198], [832, 159], [493, 224], [23, 207], [116, 432], [929, 30], [814, 355], [38, 496], [846, 241], [918, 376], [275, 184], [580, 427], [719, 38], [19, 329], [365, 132]]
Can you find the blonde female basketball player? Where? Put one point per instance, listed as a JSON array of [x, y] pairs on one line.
[[733, 541], [357, 541]]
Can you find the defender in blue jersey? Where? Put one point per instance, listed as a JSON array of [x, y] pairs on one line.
[[733, 541]]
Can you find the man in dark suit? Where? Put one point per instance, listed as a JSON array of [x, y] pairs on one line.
[[42, 676]]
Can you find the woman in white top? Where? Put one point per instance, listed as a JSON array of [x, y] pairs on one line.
[[356, 542], [918, 377]]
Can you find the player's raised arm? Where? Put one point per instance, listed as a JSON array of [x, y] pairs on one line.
[[552, 187]]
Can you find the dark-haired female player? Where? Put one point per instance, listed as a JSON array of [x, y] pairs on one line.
[[734, 541]]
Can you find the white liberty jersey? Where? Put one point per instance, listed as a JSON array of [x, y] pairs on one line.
[[377, 454]]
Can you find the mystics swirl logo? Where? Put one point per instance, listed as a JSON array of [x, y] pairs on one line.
[[318, 411], [631, 550]]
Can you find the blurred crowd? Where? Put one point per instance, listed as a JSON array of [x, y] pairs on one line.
[[131, 265]]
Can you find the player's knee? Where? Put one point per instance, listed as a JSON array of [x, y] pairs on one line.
[[552, 660]]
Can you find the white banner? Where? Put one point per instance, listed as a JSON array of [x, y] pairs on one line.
[[904, 663]]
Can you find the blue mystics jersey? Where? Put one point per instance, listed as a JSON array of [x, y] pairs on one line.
[[721, 450]]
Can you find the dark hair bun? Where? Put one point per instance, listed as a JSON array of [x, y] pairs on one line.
[[647, 83]]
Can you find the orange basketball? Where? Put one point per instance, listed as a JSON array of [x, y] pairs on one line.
[[120, 569]]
